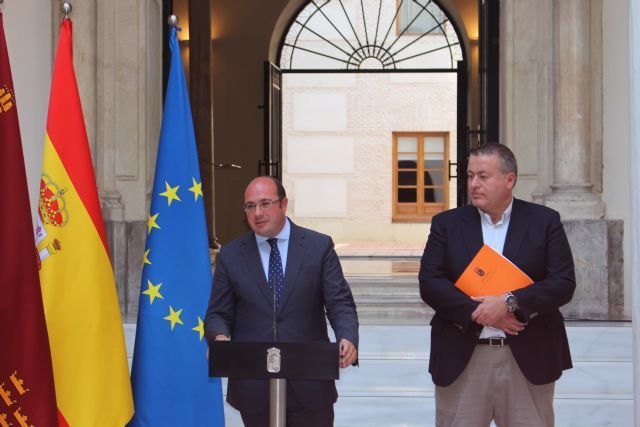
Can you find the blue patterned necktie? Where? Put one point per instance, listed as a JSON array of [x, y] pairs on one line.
[[276, 276]]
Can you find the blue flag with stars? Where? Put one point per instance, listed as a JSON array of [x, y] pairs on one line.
[[170, 379]]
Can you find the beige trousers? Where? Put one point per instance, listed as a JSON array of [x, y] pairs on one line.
[[492, 387]]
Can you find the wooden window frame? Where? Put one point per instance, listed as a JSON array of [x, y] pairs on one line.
[[420, 211]]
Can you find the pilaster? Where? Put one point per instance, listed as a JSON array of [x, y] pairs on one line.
[[572, 189], [634, 155]]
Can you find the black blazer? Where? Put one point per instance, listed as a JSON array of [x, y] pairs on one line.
[[241, 306], [537, 244]]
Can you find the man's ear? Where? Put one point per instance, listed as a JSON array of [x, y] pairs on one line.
[[511, 180]]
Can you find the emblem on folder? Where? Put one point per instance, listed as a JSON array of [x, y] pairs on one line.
[[479, 271], [273, 360]]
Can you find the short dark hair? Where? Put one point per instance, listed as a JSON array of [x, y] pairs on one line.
[[508, 162], [279, 187]]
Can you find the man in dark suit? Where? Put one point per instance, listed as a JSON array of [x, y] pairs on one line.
[[497, 357], [304, 269]]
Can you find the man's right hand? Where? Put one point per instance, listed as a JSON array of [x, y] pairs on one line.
[[221, 337]]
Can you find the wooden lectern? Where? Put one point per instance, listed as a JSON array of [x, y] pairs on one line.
[[277, 362]]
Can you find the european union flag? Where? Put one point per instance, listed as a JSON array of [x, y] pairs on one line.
[[170, 375]]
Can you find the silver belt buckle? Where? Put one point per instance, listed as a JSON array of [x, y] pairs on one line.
[[496, 342]]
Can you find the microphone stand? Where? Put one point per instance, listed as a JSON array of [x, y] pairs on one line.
[[274, 327], [277, 386]]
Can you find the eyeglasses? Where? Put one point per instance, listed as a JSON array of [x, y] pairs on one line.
[[264, 205]]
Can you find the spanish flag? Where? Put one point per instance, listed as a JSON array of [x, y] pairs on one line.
[[27, 396], [78, 287]]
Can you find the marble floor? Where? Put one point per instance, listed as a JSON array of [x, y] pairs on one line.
[[391, 387]]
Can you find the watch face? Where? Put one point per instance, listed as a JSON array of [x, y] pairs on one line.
[[512, 303]]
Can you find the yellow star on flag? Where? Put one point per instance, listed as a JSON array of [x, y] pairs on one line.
[[151, 223], [196, 189], [174, 317], [171, 193], [199, 328], [153, 291], [145, 259]]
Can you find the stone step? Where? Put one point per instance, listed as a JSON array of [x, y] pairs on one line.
[[380, 266], [389, 300], [384, 286], [371, 314]]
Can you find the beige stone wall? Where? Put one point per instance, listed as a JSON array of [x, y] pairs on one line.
[[338, 182], [337, 145]]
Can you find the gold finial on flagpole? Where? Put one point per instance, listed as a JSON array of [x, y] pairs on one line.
[[66, 9], [173, 21]]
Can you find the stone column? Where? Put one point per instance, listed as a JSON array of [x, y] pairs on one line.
[[634, 113], [110, 198], [117, 58], [572, 189], [575, 177], [129, 105]]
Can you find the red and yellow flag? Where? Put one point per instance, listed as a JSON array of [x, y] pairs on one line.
[[27, 396], [78, 286]]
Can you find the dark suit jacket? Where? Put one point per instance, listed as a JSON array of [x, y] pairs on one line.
[[241, 306], [535, 242]]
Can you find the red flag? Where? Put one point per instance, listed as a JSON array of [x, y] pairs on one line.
[[78, 286], [27, 394]]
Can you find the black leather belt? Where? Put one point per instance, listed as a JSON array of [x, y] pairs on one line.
[[493, 342]]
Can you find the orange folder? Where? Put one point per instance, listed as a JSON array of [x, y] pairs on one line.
[[490, 273]]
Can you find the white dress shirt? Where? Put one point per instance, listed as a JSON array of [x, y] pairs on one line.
[[283, 246], [494, 236]]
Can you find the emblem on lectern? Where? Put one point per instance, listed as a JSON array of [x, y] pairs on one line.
[[273, 360]]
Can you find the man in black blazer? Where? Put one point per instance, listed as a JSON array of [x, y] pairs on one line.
[[497, 357], [241, 303]]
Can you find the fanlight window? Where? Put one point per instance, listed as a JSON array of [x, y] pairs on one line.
[[371, 35]]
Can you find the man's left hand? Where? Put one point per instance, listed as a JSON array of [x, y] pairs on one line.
[[490, 310], [348, 353]]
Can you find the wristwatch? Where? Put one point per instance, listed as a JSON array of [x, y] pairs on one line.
[[511, 301]]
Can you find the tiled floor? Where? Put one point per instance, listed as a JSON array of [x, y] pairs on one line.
[[391, 387]]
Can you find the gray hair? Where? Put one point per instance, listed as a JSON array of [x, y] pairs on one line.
[[508, 161]]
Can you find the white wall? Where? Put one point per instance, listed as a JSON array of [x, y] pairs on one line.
[[616, 136], [27, 25]]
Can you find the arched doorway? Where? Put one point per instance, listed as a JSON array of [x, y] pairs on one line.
[[228, 44], [341, 64]]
